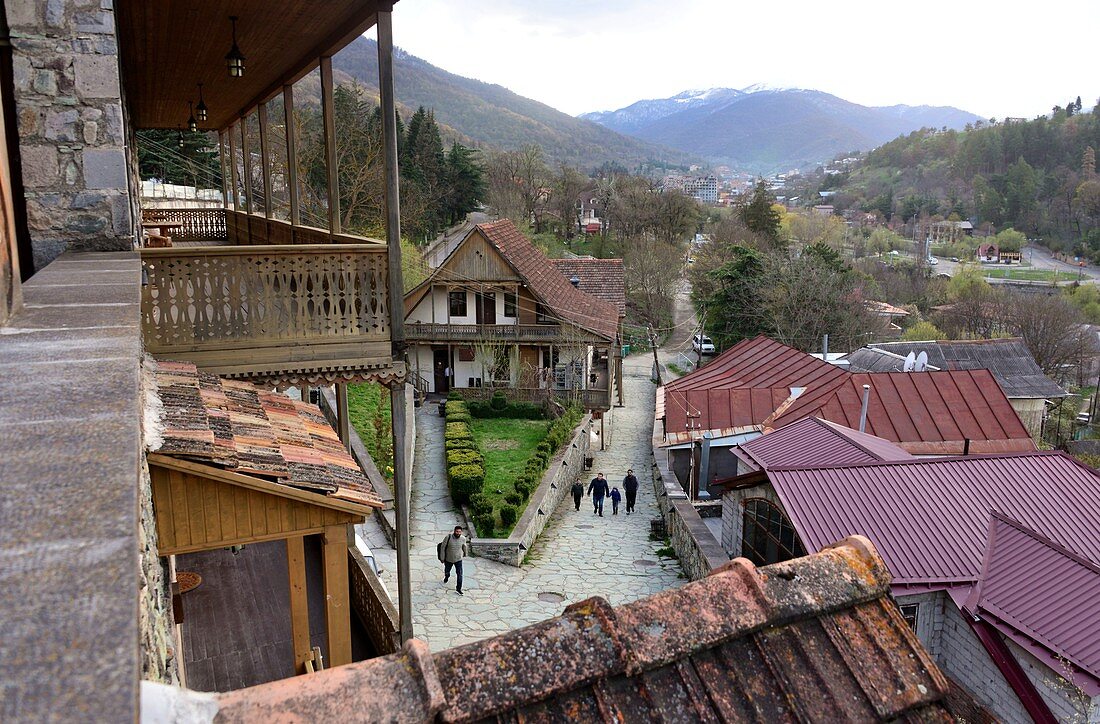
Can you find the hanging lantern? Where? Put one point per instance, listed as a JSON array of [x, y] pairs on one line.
[[179, 137], [192, 125], [234, 59], [201, 112]]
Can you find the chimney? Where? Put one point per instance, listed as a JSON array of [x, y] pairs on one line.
[[863, 409], [575, 280], [966, 446], [825, 348]]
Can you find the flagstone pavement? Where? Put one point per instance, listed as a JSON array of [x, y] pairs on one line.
[[577, 556]]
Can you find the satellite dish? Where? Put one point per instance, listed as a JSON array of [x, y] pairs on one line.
[[910, 360], [922, 362]]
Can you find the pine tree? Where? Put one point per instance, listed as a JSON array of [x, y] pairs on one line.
[[759, 216], [465, 182]]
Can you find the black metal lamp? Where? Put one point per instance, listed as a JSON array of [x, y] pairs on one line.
[[192, 124], [234, 59], [201, 111], [179, 137]]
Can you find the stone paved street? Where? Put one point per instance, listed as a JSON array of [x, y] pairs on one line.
[[578, 555]]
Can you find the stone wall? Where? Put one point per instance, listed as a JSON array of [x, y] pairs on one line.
[[159, 657], [695, 546], [543, 502], [72, 133]]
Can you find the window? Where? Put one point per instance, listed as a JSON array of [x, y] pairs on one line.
[[509, 304], [542, 315], [910, 611], [768, 537], [458, 303]]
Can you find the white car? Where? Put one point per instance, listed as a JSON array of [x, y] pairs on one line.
[[702, 344], [933, 261]]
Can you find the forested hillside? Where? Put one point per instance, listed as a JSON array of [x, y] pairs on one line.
[[1036, 176]]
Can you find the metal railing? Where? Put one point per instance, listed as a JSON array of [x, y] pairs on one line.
[[256, 310]]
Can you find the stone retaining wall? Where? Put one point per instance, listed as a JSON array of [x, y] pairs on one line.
[[543, 502], [695, 546]]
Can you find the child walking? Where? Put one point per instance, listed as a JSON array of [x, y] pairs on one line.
[[616, 496]]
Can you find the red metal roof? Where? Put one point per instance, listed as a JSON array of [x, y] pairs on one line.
[[1034, 590], [763, 382], [928, 517], [811, 441]]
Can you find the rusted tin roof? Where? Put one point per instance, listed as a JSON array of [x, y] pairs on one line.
[[242, 428], [815, 639]]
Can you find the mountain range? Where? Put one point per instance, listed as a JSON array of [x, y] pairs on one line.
[[765, 129], [481, 114]]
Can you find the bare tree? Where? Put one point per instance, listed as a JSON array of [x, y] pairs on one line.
[[1053, 329]]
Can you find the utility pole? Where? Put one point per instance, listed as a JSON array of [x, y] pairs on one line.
[[656, 364]]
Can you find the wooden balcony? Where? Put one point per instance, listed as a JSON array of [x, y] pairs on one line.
[[216, 225], [285, 315], [536, 333]]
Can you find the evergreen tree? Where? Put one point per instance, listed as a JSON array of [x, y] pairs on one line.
[[759, 216], [195, 164], [465, 182]]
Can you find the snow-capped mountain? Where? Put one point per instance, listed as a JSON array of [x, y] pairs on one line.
[[763, 128]]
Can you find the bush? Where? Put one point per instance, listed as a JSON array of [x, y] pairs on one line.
[[466, 481], [481, 505], [511, 410], [513, 498], [523, 488], [508, 515], [453, 395], [457, 431], [499, 401], [461, 444], [485, 523], [543, 446], [465, 457]]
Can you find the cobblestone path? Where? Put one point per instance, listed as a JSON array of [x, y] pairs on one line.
[[577, 556]]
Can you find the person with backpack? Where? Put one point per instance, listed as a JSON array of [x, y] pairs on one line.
[[451, 550], [630, 486]]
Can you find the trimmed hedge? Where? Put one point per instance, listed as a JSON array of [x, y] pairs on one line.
[[457, 431], [513, 498], [485, 524], [480, 505], [465, 457], [466, 480], [460, 444], [523, 487], [513, 410], [508, 515]]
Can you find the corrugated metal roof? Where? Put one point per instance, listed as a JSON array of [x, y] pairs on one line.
[[1009, 360], [928, 517], [1037, 591], [813, 441]]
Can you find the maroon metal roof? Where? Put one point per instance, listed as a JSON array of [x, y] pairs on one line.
[[763, 382], [928, 517], [811, 441], [1035, 590]]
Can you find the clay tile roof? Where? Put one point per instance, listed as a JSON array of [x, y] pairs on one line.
[[602, 278], [548, 284], [242, 428], [814, 639]]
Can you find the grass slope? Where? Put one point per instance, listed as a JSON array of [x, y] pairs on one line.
[[507, 444]]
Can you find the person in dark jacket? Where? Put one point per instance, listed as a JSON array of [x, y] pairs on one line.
[[578, 493], [616, 496], [598, 490], [630, 486]]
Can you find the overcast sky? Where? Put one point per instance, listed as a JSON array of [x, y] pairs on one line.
[[995, 59]]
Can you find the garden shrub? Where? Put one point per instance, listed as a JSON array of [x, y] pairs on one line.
[[512, 410], [523, 488], [513, 498], [543, 446], [453, 395], [485, 523], [466, 480], [465, 457], [480, 505], [457, 431], [508, 515], [461, 444], [499, 401]]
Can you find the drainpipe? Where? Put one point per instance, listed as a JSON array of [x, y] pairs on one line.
[[704, 464], [1011, 670], [863, 409]]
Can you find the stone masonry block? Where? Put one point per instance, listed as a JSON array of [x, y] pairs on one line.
[[96, 76], [40, 166], [45, 82], [105, 168], [55, 13], [22, 13], [62, 126]]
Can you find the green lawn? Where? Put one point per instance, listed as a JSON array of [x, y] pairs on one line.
[[1029, 275], [369, 410], [506, 444]]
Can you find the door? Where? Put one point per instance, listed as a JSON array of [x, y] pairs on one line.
[[486, 307], [441, 366]]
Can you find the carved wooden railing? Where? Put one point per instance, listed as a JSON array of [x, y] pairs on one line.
[[251, 229], [419, 331], [286, 314], [195, 224]]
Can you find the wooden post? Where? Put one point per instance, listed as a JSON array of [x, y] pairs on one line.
[[343, 423], [265, 158], [299, 605], [233, 171], [291, 155], [337, 601], [330, 149], [223, 168], [246, 157], [397, 315]]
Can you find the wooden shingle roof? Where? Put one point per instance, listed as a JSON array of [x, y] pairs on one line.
[[242, 428]]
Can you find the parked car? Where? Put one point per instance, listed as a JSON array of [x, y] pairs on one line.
[[702, 344], [955, 259], [933, 261]]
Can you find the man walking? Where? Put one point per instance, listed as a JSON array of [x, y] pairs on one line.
[[451, 551], [630, 486], [598, 490], [578, 493]]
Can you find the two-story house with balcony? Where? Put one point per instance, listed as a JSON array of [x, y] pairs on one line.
[[496, 313]]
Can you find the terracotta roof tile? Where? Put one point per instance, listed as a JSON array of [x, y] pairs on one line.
[[246, 429], [548, 283], [815, 639], [602, 278]]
